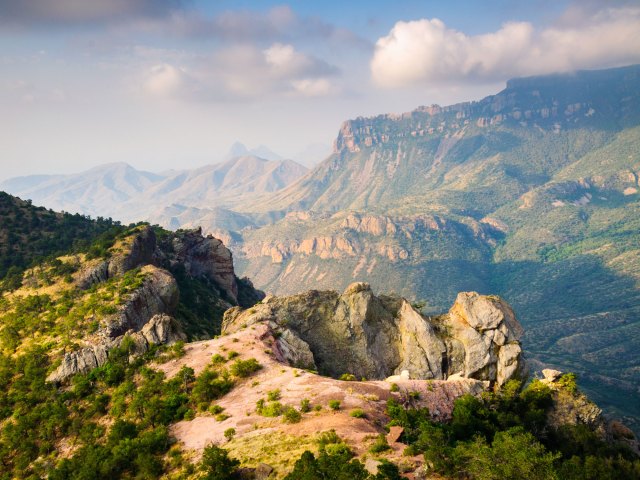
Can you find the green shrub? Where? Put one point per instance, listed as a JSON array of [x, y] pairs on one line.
[[217, 465], [380, 445], [210, 385], [217, 358], [291, 415], [348, 377], [229, 433], [273, 395], [334, 404], [305, 405], [245, 368], [216, 409], [357, 413]]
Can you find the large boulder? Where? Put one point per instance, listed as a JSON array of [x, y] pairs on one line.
[[375, 337], [483, 339]]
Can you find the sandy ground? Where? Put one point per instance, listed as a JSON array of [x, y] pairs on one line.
[[295, 385]]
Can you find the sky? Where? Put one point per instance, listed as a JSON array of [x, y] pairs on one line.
[[172, 84]]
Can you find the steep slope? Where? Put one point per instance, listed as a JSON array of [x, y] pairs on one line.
[[379, 160], [531, 193]]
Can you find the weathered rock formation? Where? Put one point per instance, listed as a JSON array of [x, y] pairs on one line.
[[375, 337], [200, 256], [144, 317], [147, 315]]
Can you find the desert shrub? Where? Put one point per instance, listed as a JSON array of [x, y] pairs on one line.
[[273, 395], [245, 368], [380, 445], [305, 405], [334, 404], [291, 415], [210, 385], [357, 413]]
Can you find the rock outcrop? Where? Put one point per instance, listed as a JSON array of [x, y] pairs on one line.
[[375, 337], [199, 255], [204, 257], [144, 317], [483, 338]]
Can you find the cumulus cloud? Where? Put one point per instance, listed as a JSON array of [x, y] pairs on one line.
[[428, 52], [166, 80], [242, 72], [65, 12]]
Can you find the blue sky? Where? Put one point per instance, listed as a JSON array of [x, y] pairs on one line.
[[169, 84]]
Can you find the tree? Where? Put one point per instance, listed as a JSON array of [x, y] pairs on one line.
[[217, 465], [513, 454]]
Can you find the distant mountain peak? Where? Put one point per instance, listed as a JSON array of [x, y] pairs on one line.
[[239, 149]]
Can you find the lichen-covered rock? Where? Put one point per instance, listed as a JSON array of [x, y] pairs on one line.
[[373, 336], [92, 273], [293, 350], [139, 249]]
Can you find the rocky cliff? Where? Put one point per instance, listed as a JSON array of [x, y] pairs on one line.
[[150, 314], [374, 337]]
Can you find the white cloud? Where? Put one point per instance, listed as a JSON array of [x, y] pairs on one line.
[[313, 87], [165, 80], [427, 52], [240, 72]]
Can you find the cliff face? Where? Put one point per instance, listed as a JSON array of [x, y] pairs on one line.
[[371, 336], [148, 315]]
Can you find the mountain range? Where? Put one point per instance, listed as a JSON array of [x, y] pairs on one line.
[[531, 193], [120, 191]]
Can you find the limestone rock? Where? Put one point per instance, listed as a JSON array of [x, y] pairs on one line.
[[158, 294], [162, 329], [294, 350], [92, 274], [551, 375], [144, 312]]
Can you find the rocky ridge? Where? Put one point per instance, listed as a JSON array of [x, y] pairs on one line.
[[148, 315], [375, 337]]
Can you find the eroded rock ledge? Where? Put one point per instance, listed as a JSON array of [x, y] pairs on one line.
[[375, 337]]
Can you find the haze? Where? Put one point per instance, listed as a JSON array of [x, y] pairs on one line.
[[171, 84]]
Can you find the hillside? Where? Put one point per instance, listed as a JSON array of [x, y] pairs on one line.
[[532, 193], [30, 234], [100, 376]]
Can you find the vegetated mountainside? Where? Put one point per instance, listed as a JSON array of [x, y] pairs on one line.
[[30, 234], [96, 380], [532, 193], [120, 191]]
